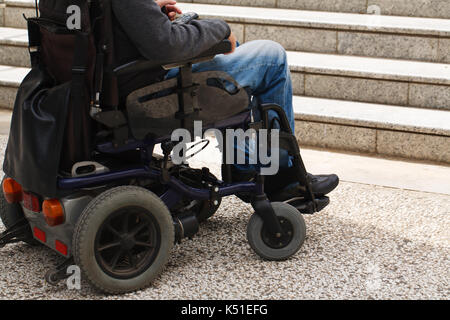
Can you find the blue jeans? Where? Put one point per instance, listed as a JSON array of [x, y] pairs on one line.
[[262, 66]]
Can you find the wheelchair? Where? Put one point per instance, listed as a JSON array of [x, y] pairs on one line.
[[81, 173]]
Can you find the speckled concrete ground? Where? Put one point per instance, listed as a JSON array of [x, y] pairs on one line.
[[372, 242]]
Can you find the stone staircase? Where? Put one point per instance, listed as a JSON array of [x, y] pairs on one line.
[[412, 8], [363, 83]]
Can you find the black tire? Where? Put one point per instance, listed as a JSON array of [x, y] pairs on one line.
[[10, 214], [149, 212], [267, 246], [51, 279], [207, 209]]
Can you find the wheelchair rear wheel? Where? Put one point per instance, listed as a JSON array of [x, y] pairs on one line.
[[123, 239], [269, 247]]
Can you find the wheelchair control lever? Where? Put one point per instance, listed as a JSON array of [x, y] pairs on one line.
[[167, 148], [186, 18]]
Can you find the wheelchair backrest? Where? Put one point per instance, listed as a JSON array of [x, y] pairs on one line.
[[58, 43], [51, 127], [66, 54], [93, 50]]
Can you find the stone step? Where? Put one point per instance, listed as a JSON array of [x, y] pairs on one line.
[[412, 133], [412, 8], [394, 131], [5, 121], [10, 79], [2, 13], [13, 47], [15, 11], [439, 9], [338, 33], [373, 80], [322, 32]]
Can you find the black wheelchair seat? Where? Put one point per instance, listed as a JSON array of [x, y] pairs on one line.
[[155, 110]]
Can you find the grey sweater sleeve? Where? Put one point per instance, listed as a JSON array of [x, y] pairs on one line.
[[158, 39]]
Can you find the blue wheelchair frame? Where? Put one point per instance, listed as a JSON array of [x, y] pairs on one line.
[[178, 190]]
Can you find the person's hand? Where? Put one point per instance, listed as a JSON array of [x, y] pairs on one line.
[[171, 8], [233, 41]]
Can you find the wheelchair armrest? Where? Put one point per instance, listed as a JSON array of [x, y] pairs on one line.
[[221, 47], [142, 65]]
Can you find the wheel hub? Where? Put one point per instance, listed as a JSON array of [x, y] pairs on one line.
[[278, 241], [127, 242]]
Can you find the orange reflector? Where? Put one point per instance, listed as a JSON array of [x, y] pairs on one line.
[[61, 247], [12, 190], [53, 212], [39, 234]]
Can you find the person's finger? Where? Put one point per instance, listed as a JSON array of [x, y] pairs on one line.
[[174, 8], [163, 3], [233, 41], [172, 15]]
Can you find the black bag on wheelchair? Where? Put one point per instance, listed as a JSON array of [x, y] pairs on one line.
[[53, 105]]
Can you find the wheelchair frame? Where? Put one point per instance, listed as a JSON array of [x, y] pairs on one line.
[[266, 223]]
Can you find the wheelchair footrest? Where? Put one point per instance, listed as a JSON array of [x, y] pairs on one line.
[[307, 207]]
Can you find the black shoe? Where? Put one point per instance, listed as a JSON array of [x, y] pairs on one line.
[[284, 186], [323, 184], [320, 184]]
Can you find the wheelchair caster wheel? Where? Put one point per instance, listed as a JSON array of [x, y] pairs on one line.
[[51, 277], [270, 247], [123, 239]]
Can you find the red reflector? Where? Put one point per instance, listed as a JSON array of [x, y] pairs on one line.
[[39, 234], [31, 202], [61, 247]]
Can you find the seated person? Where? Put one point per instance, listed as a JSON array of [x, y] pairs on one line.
[[259, 65]]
